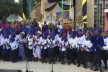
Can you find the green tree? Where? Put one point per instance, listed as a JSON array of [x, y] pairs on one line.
[[8, 7]]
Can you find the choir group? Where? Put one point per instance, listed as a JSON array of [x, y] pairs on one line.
[[54, 44]]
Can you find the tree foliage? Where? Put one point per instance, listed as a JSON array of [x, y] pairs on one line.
[[8, 7]]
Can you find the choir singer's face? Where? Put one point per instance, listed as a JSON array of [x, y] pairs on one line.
[[87, 35], [96, 32]]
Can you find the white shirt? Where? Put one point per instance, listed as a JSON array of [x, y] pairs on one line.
[[30, 42], [62, 45], [14, 45], [106, 44], [52, 42], [38, 42], [1, 40], [80, 41], [6, 43], [72, 42], [87, 43], [44, 43]]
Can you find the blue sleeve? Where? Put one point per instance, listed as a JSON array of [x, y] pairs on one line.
[[101, 41]]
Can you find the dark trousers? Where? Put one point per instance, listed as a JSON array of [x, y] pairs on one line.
[[87, 56], [1, 50], [80, 57], [14, 55], [6, 54], [56, 52], [44, 54], [97, 59], [71, 54], [62, 56], [51, 54], [104, 57], [29, 54]]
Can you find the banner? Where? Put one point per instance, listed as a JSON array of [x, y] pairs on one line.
[[62, 6], [24, 9], [84, 13]]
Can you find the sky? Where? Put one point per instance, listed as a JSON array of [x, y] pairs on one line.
[[17, 1]]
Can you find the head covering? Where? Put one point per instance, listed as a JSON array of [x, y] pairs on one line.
[[89, 33], [73, 32], [45, 33], [100, 30], [13, 35], [106, 31], [85, 30], [80, 30], [53, 32], [23, 33]]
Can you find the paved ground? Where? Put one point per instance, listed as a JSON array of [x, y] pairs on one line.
[[39, 67]]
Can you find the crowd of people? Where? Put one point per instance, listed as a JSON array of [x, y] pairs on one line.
[[51, 44]]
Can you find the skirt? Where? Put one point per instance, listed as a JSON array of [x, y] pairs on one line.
[[87, 56], [56, 51], [96, 57], [1, 50], [29, 53], [14, 55], [104, 55], [6, 54], [80, 56], [44, 53], [51, 52]]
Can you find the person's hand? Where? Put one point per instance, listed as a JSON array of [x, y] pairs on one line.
[[101, 48], [82, 49]]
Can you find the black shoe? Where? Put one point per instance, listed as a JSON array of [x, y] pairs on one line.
[[50, 62], [63, 63], [105, 67], [96, 69], [53, 62], [78, 65], [36, 59], [85, 67], [91, 68], [45, 61], [74, 63], [68, 63]]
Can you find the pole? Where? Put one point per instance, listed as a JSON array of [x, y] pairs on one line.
[[84, 13], [74, 4], [62, 11], [70, 9], [51, 17], [25, 8], [52, 67], [27, 66]]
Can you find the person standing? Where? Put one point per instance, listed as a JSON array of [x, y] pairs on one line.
[[44, 48], [1, 43], [105, 50], [14, 49], [87, 45], [98, 43], [21, 44], [80, 49], [51, 48], [63, 47], [71, 51], [30, 46], [6, 47], [37, 46]]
